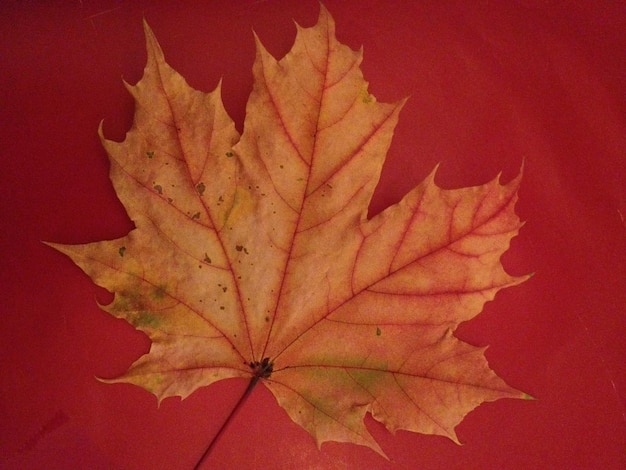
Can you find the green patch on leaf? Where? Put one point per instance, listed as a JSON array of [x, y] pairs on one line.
[[145, 318], [366, 97], [153, 382]]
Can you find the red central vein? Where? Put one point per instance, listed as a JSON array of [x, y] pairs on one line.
[[207, 212], [323, 88], [394, 373], [434, 293], [337, 212], [176, 370]]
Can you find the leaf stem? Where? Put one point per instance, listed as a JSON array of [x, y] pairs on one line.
[[253, 381]]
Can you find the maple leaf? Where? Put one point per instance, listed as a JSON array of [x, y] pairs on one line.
[[253, 255]]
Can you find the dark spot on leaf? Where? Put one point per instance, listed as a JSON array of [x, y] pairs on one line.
[[150, 154], [170, 200], [267, 319], [224, 289], [378, 332], [222, 307], [196, 215], [158, 188], [241, 248], [200, 187], [207, 259], [159, 292], [121, 251], [230, 154]]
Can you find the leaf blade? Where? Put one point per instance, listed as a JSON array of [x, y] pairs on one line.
[[256, 250]]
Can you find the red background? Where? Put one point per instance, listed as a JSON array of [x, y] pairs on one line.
[[491, 85]]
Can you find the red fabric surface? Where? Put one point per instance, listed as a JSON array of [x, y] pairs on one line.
[[491, 85]]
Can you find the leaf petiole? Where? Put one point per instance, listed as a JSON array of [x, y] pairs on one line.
[[262, 369]]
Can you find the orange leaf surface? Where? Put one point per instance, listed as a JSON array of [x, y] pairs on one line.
[[253, 255]]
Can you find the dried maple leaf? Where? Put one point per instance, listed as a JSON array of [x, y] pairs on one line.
[[253, 256]]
